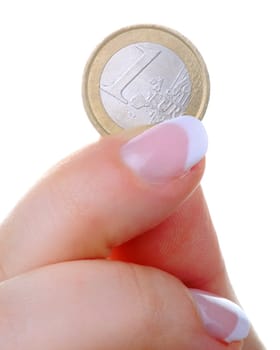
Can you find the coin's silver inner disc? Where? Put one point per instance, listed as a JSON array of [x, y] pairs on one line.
[[144, 83]]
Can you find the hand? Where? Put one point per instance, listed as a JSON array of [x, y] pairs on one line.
[[111, 249]]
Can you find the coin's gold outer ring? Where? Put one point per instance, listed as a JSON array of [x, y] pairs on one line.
[[134, 34]]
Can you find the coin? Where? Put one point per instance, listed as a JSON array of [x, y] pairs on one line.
[[143, 75]]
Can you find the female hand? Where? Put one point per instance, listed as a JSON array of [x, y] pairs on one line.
[[111, 249]]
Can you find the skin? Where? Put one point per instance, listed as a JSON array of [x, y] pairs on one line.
[[95, 258]]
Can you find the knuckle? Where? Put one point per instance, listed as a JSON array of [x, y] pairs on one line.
[[151, 302]]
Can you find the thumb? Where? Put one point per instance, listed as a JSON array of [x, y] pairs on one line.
[[104, 196]]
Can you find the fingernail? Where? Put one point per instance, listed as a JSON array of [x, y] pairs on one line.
[[222, 319], [166, 150]]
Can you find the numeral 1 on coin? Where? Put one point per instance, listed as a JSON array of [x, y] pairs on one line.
[[116, 89]]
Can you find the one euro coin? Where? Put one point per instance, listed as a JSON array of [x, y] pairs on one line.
[[142, 75]]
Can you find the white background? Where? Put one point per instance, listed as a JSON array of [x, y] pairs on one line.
[[44, 46]]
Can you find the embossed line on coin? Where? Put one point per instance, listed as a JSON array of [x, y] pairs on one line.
[[144, 83]]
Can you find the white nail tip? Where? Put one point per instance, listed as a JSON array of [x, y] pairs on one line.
[[241, 329], [216, 320], [197, 138]]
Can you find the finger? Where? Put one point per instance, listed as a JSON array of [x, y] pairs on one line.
[[185, 245], [106, 305], [104, 196]]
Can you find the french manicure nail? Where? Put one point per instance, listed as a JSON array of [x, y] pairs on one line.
[[166, 150], [222, 319]]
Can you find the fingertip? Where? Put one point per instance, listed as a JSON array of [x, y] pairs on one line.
[[222, 319], [167, 150]]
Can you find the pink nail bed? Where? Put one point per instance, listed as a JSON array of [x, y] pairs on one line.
[[222, 319], [167, 150]]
